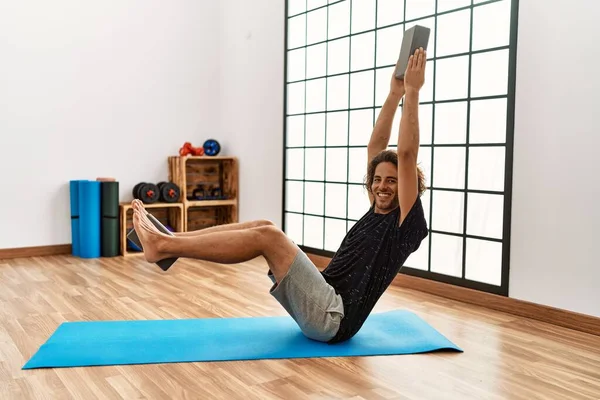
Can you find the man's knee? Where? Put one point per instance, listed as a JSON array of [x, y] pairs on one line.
[[274, 240], [270, 232], [260, 223], [278, 249], [264, 222]]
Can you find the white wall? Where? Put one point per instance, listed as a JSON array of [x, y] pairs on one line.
[[138, 81], [555, 214], [252, 75], [134, 79]]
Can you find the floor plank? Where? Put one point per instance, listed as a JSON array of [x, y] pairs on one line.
[[506, 357]]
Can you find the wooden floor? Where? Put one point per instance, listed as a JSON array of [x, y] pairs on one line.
[[505, 357]]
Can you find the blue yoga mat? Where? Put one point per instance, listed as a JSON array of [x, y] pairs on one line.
[[89, 219], [75, 231], [225, 339]]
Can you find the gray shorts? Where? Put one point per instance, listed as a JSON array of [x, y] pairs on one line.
[[309, 299]]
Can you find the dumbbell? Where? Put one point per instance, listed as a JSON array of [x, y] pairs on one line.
[[148, 193], [207, 193], [169, 192], [188, 149]]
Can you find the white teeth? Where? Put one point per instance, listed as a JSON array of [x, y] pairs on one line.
[[383, 194]]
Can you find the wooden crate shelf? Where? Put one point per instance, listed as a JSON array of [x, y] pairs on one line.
[[197, 177], [210, 203], [169, 214], [208, 173], [200, 205], [200, 217]]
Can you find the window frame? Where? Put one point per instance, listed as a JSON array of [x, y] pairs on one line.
[[508, 145]]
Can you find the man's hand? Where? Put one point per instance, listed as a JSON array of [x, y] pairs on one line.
[[414, 77]]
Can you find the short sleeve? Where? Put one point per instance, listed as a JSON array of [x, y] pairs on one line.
[[414, 227]]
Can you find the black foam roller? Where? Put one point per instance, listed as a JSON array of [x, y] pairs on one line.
[[110, 199], [110, 237], [110, 219]]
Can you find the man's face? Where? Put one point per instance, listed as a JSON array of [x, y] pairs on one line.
[[385, 187]]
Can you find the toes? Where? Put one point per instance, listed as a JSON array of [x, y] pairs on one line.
[[136, 217]]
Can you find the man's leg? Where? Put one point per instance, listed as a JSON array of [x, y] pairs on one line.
[[225, 228], [230, 227], [299, 286], [226, 247]]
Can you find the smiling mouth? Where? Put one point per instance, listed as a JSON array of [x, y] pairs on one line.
[[384, 195]]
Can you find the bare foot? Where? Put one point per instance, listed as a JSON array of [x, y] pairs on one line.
[[138, 206], [152, 240]]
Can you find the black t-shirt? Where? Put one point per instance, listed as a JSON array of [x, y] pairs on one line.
[[368, 260]]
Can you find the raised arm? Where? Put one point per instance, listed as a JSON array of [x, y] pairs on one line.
[[408, 138], [382, 130]]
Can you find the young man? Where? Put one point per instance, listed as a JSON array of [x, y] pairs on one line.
[[332, 305]]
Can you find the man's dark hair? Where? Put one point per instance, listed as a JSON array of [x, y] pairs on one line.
[[392, 157]]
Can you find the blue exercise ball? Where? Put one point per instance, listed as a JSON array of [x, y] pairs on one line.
[[211, 147]]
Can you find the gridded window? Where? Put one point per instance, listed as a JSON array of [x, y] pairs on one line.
[[340, 56]]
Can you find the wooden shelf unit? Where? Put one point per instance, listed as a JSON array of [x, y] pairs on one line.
[[188, 172], [169, 214], [191, 213], [200, 217]]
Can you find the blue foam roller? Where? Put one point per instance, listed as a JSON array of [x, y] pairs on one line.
[[89, 219], [94, 343], [75, 231], [75, 235]]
